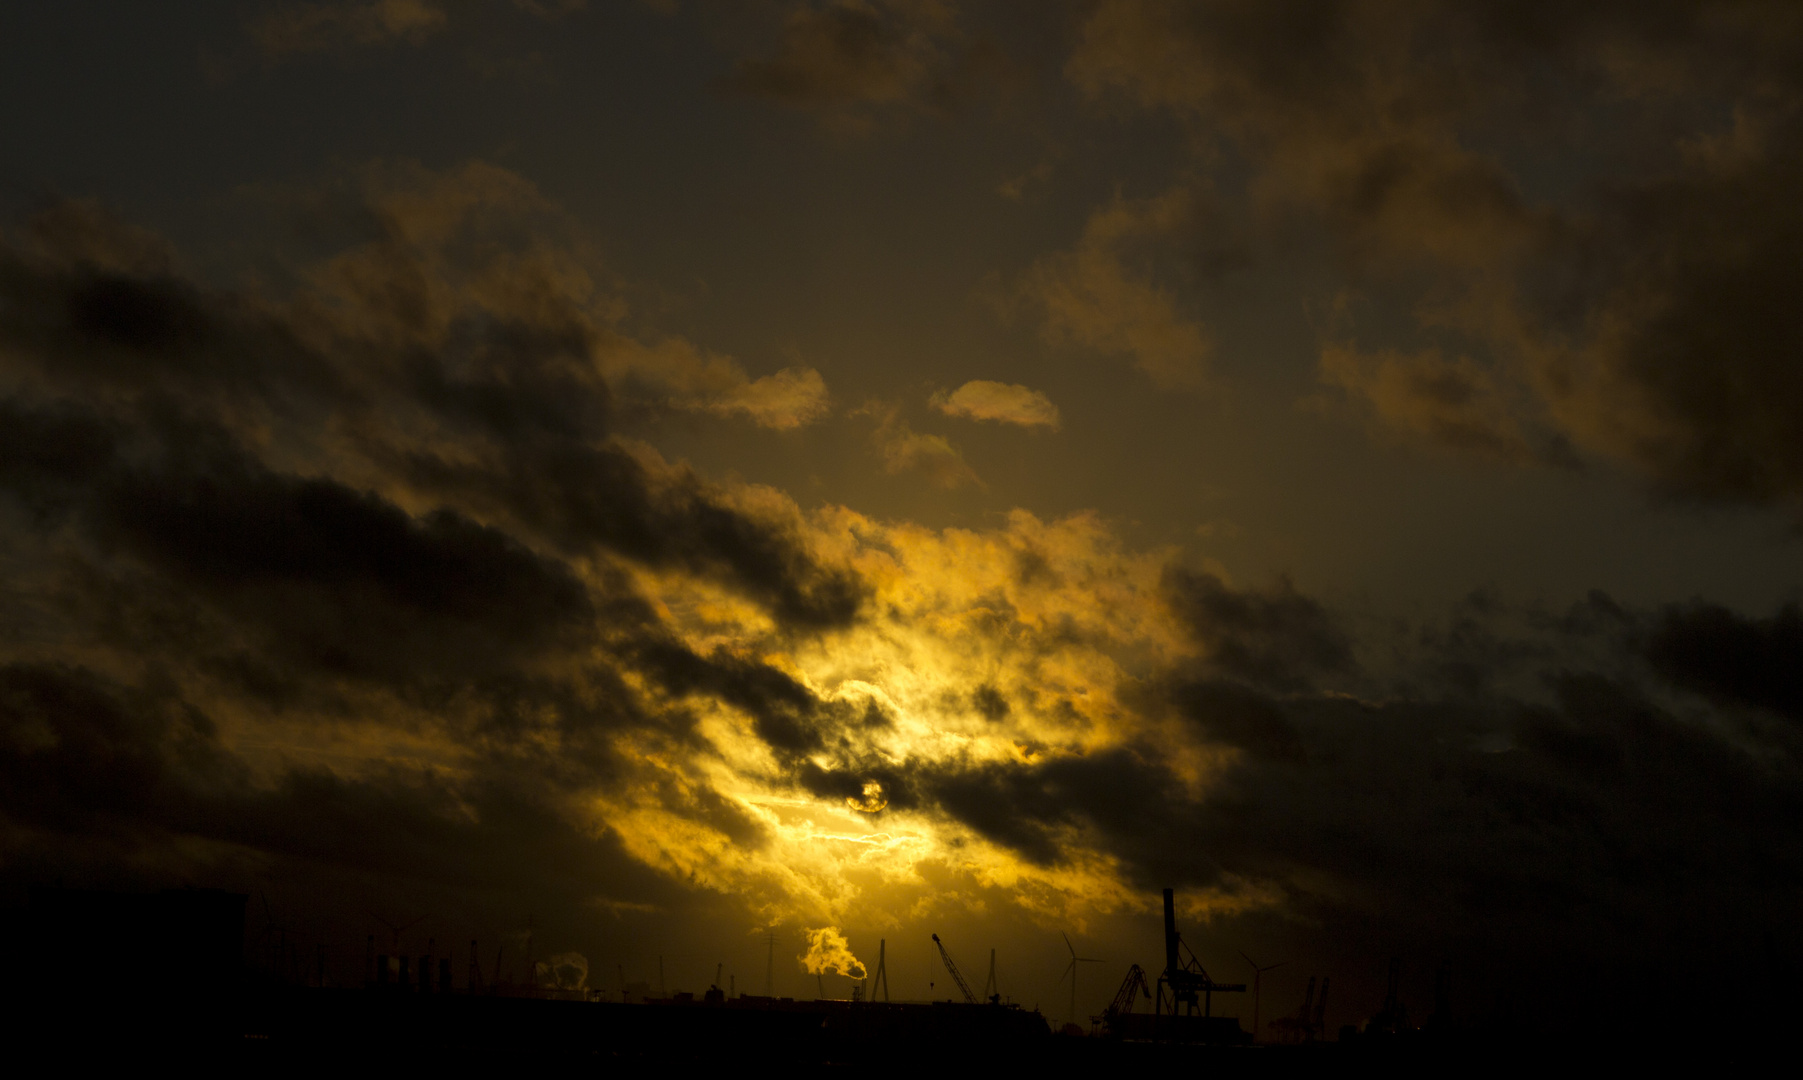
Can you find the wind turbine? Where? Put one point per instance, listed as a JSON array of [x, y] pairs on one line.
[[1072, 971], [394, 931], [1258, 974]]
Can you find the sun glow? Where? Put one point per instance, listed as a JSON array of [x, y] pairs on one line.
[[1007, 646]]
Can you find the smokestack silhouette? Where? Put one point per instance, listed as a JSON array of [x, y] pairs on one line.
[[1170, 932]]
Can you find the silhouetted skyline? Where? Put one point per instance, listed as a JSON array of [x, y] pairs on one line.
[[619, 481]]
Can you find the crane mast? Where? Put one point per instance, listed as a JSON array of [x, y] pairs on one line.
[[1133, 987], [957, 977]]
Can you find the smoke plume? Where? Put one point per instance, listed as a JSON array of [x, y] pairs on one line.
[[829, 951]]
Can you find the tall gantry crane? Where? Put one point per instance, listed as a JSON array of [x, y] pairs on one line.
[[957, 977], [1185, 979]]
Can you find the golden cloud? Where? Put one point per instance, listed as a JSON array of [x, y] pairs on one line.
[[1008, 403]]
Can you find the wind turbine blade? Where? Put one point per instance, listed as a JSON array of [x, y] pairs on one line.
[[1067, 942], [1251, 961]]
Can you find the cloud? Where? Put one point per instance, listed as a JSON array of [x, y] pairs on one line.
[[1710, 650], [1638, 313], [479, 241], [1277, 638], [345, 580], [1450, 402], [1015, 188], [488, 375], [850, 60], [1089, 296], [333, 25], [315, 27], [905, 450], [788, 399], [364, 592], [1008, 403], [675, 374]]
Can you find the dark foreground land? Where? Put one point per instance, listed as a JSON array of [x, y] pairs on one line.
[[187, 999], [278, 1029]]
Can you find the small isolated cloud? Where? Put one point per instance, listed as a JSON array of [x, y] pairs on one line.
[[787, 399], [1009, 403], [829, 951], [677, 373], [905, 450]]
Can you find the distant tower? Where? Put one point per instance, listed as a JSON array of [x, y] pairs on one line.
[[990, 989], [770, 967], [882, 976]]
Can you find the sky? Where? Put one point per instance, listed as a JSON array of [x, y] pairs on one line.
[[627, 479]]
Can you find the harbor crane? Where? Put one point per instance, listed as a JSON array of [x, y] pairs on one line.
[[1132, 988], [1185, 979], [957, 977]]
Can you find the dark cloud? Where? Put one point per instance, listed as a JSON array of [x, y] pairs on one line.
[[342, 580], [352, 580], [990, 703], [48, 456], [852, 62], [896, 785], [138, 782], [1028, 807], [1277, 638], [80, 759], [1637, 309], [1730, 658], [785, 714], [583, 497], [332, 25], [1233, 715], [1550, 810], [392, 516], [193, 364]]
